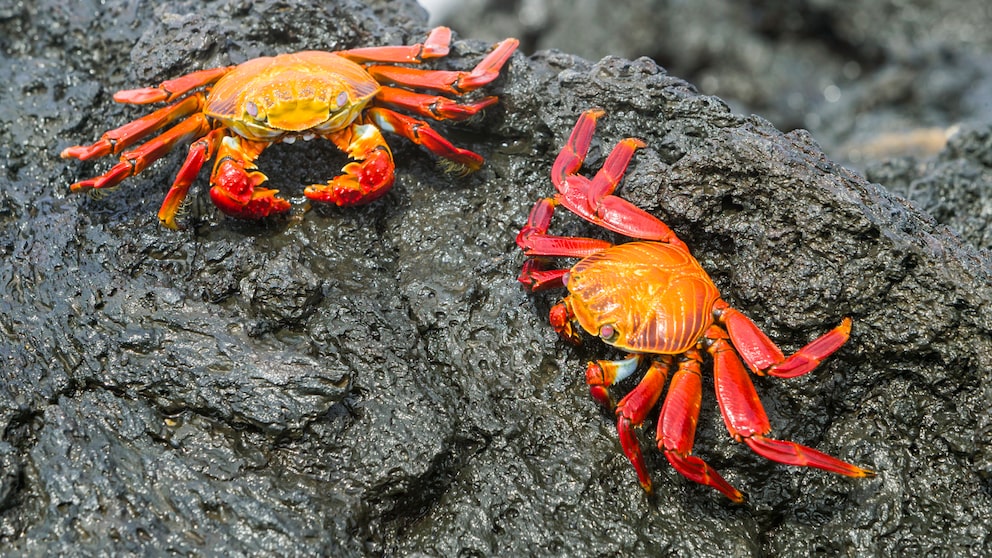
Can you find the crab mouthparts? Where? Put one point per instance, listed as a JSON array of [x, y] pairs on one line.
[[298, 115]]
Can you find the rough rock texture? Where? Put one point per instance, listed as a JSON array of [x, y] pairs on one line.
[[372, 381], [869, 79]]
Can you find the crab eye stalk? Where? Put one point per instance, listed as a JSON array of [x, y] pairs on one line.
[[254, 112], [608, 333]]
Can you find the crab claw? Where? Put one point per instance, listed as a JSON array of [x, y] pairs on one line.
[[560, 317], [237, 195], [235, 182], [367, 178]]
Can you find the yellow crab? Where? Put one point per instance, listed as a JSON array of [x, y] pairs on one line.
[[347, 97]]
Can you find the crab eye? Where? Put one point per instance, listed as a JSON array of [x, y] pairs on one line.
[[252, 109], [342, 99], [607, 333]]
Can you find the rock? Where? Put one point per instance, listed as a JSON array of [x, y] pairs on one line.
[[372, 381]]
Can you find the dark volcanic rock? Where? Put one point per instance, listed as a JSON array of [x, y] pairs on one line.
[[373, 381]]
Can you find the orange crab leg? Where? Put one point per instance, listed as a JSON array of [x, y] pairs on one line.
[[534, 240], [435, 46], [677, 427], [746, 419], [421, 133], [235, 180], [118, 139], [135, 161], [432, 106], [764, 357], [632, 410], [201, 151], [171, 89], [452, 82], [593, 200], [366, 179]]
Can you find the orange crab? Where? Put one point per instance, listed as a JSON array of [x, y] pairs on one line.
[[651, 298], [347, 97]]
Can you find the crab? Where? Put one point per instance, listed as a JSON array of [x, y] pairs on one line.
[[233, 113], [651, 298]]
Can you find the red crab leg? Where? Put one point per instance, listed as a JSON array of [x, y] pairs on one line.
[[593, 200], [632, 410], [764, 357], [746, 419], [235, 180], [677, 427], [537, 279], [435, 46], [118, 139], [453, 82], [367, 178], [601, 374], [201, 151], [432, 106], [171, 89], [534, 240], [135, 161], [419, 132]]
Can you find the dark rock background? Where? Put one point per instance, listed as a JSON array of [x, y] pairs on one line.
[[372, 381]]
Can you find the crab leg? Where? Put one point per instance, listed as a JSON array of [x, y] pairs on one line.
[[235, 180], [677, 427], [118, 139], [454, 82], [534, 240], [367, 178], [764, 357], [537, 279], [201, 151], [421, 133], [432, 106], [746, 419], [632, 410], [135, 161], [435, 46], [171, 89], [593, 200]]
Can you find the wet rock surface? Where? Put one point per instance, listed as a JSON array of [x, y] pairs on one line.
[[372, 381]]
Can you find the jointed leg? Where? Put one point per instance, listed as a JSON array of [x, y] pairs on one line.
[[634, 408], [534, 240], [201, 151], [453, 82], [537, 279], [764, 357], [118, 139], [746, 419], [135, 161], [432, 106], [435, 46], [171, 89], [421, 133], [593, 200], [677, 427]]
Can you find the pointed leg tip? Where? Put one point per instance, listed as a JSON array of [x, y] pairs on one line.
[[737, 497]]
